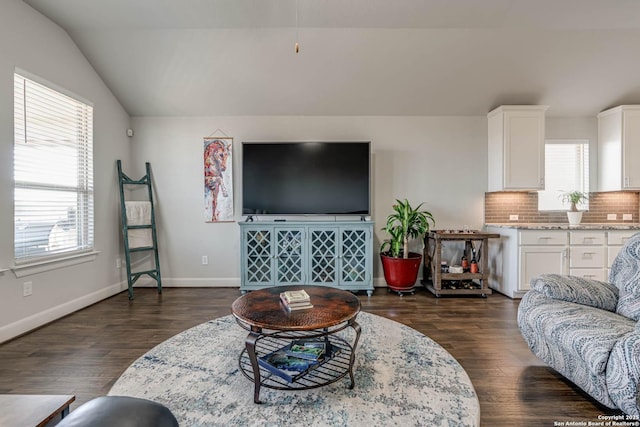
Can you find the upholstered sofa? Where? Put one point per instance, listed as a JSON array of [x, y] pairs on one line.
[[120, 411], [588, 330]]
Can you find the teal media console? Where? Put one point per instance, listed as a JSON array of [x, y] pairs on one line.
[[329, 253]]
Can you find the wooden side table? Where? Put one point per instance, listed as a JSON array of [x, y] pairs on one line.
[[271, 327], [433, 277], [32, 409]]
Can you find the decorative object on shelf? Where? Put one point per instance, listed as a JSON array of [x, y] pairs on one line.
[[575, 198], [401, 266], [218, 179]]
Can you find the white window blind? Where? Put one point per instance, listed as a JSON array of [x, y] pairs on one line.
[[566, 170], [53, 172]]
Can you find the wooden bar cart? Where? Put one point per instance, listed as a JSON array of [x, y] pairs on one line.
[[449, 283]]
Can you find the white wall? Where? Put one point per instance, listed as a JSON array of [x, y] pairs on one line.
[[32, 43], [441, 161]]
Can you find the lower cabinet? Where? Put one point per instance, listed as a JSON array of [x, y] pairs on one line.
[[536, 260], [337, 254], [520, 255]]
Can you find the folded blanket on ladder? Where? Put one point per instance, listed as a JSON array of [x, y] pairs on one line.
[[139, 213]]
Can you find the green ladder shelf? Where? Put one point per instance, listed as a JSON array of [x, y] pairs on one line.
[[123, 180]]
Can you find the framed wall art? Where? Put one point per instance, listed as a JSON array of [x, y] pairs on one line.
[[218, 179]]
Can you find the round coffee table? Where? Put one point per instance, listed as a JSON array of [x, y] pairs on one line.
[[272, 328]]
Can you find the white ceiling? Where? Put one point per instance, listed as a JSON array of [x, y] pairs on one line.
[[358, 57]]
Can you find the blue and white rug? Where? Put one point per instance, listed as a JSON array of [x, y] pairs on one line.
[[402, 378]]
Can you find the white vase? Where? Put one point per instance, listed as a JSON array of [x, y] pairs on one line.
[[574, 217]]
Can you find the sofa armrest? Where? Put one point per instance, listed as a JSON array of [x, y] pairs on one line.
[[579, 290], [623, 373]]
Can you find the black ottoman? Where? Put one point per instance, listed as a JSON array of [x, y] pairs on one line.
[[121, 411]]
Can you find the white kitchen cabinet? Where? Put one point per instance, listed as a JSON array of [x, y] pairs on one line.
[[619, 148], [522, 254], [536, 260], [516, 147]]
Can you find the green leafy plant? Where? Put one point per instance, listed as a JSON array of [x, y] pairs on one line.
[[404, 224], [575, 198]]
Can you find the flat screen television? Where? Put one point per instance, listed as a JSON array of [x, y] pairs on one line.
[[306, 178]]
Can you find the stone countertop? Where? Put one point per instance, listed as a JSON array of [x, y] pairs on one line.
[[564, 226]]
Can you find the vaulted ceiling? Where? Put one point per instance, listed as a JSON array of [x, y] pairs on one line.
[[358, 57]]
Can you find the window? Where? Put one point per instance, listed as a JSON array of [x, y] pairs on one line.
[[53, 172], [566, 169]]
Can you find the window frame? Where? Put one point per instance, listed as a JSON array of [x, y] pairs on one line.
[[83, 189], [585, 165]]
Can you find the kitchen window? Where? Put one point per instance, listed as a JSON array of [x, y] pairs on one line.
[[566, 170], [53, 172]]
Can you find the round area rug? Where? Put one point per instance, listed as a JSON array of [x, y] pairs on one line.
[[402, 378]]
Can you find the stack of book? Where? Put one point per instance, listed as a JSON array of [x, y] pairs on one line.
[[296, 300]]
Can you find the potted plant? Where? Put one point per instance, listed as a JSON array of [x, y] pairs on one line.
[[575, 198], [399, 265]]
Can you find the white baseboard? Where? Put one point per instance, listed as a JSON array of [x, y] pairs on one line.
[[34, 321]]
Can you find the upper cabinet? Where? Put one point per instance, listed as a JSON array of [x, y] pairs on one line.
[[618, 145], [516, 147]]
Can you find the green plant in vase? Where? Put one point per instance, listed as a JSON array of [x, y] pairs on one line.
[[575, 198], [401, 266]]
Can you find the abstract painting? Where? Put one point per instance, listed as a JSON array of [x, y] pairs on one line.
[[218, 179]]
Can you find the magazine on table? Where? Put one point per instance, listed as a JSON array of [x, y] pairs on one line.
[[285, 366], [290, 367], [307, 349]]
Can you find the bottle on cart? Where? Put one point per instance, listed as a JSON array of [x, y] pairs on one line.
[[464, 262], [474, 262], [473, 267]]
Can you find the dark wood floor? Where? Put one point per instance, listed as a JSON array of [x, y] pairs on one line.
[[85, 352]]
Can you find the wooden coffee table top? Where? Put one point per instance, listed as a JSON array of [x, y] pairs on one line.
[[31, 409], [262, 309]]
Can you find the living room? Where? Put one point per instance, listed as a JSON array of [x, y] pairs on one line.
[[427, 122]]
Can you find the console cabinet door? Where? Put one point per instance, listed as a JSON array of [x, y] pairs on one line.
[[323, 249], [257, 254], [354, 257], [289, 256]]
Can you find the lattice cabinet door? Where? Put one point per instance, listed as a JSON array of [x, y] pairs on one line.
[[323, 250], [289, 256], [258, 251], [355, 256]]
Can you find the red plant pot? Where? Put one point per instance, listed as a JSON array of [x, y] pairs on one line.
[[401, 273]]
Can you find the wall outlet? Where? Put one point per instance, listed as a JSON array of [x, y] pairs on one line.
[[205, 260], [513, 217], [118, 263], [612, 217], [627, 217], [27, 289]]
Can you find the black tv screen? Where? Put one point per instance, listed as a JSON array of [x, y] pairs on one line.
[[305, 178]]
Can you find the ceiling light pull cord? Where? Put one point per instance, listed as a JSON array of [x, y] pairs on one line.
[[297, 48]]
